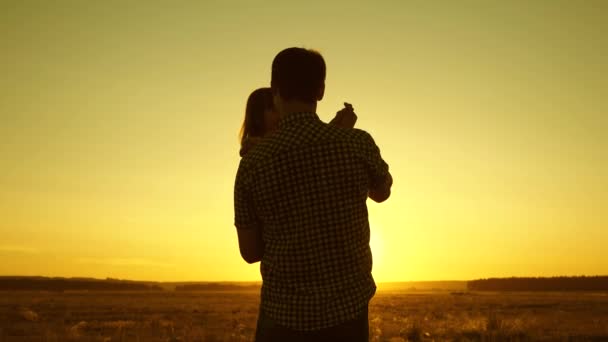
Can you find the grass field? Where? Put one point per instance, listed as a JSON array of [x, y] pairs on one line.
[[231, 316]]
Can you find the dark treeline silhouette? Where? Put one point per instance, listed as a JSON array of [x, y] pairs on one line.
[[73, 284], [217, 287], [582, 283], [437, 285]]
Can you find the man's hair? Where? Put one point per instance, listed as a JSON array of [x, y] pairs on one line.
[[298, 74]]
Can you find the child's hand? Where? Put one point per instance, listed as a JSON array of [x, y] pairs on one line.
[[345, 117]]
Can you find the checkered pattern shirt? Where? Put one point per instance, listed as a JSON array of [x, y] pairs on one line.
[[305, 186]]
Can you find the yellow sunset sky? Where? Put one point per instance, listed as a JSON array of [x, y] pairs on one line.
[[119, 124]]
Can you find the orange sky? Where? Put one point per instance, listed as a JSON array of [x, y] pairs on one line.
[[119, 131]]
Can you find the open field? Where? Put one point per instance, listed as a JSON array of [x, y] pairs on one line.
[[231, 316]]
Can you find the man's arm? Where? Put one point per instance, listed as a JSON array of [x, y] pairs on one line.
[[380, 179], [382, 191], [251, 244]]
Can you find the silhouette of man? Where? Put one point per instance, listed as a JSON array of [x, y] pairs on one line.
[[300, 208]]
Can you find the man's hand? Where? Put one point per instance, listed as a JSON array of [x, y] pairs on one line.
[[251, 244], [382, 191], [345, 117]]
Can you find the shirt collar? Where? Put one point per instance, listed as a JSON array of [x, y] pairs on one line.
[[292, 118]]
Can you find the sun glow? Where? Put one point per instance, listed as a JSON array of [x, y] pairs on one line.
[[119, 153]]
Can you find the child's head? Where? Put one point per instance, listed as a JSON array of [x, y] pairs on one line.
[[260, 116]]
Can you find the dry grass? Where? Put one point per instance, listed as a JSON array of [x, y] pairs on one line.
[[231, 316]]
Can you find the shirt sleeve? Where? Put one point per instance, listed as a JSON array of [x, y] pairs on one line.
[[377, 168], [244, 212]]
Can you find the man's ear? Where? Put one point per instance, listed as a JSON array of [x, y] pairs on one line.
[[321, 92]]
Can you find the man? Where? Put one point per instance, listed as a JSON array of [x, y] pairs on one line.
[[300, 208]]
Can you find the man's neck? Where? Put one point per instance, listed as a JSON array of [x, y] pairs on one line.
[[298, 107]]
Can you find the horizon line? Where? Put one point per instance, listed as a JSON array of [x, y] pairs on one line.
[[260, 280]]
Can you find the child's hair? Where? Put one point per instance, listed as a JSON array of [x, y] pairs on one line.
[[258, 102]]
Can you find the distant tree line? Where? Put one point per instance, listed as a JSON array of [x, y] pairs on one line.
[[215, 287], [72, 284], [582, 283]]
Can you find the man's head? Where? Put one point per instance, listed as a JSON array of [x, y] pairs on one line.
[[298, 75]]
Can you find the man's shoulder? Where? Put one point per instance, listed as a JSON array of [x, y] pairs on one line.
[[257, 154], [355, 136], [361, 134]]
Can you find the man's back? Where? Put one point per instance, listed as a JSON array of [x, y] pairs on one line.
[[307, 186]]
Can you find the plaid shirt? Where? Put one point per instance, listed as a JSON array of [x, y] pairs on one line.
[[306, 187]]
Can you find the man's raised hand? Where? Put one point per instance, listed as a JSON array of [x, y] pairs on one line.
[[345, 117]]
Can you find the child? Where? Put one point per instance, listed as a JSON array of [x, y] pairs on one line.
[[261, 118]]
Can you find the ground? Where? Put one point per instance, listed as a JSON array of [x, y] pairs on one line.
[[231, 316]]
